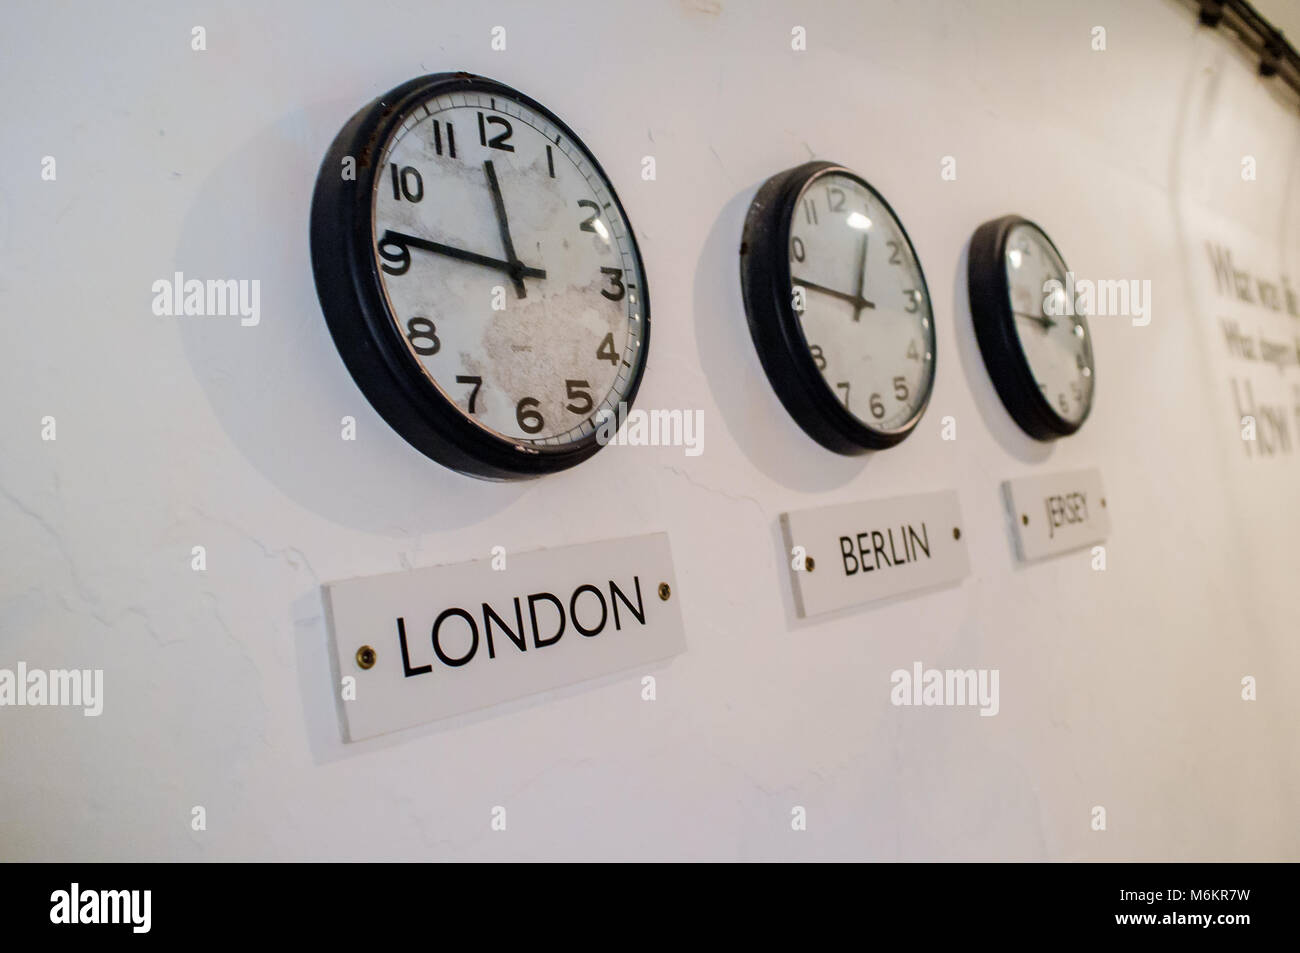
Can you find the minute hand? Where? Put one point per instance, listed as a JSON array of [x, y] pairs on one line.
[[391, 237], [855, 300], [499, 204], [1043, 320]]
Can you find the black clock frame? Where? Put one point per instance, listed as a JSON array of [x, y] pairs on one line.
[[766, 285], [355, 306], [999, 340]]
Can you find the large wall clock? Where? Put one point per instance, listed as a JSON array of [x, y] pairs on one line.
[[479, 276], [838, 307], [1036, 346]]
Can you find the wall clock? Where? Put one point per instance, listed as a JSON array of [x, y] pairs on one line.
[[1038, 350], [838, 307], [479, 276]]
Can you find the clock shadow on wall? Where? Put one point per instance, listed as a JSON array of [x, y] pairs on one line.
[[752, 413], [279, 389]]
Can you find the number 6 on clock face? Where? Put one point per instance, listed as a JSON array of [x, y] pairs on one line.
[[480, 277]]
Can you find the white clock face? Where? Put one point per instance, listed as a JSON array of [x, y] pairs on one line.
[[1055, 341], [508, 267], [865, 311]]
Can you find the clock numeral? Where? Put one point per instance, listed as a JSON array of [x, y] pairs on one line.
[[818, 357], [473, 394], [576, 391], [402, 183], [1077, 391], [437, 138], [606, 350], [912, 353], [834, 199], [530, 421], [845, 385], [900, 388], [588, 223], [616, 291], [913, 300], [499, 140], [893, 253], [1063, 403], [797, 249], [550, 162], [401, 258], [810, 210], [422, 329], [877, 407]]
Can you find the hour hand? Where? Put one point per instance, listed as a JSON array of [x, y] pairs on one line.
[[407, 242]]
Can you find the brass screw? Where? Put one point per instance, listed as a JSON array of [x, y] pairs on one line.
[[956, 532], [1103, 501], [809, 564], [366, 657], [1024, 518], [664, 591]]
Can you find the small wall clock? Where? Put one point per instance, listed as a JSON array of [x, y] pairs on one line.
[[838, 307], [1038, 350], [479, 276]]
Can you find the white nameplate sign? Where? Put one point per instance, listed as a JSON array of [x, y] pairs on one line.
[[1056, 513], [451, 639], [859, 552]]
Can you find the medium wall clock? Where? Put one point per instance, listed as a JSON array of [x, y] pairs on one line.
[[838, 307], [479, 276], [1038, 350]]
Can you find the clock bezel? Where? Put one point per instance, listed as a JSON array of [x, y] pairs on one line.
[[366, 333], [767, 282], [999, 339]]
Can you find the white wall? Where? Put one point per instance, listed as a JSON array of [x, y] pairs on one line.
[[1118, 688]]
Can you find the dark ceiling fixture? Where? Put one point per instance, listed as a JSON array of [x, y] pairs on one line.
[[1277, 57]]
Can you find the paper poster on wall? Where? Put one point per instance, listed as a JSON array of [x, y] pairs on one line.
[[1249, 296]]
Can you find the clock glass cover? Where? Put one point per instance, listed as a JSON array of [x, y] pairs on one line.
[[480, 276], [1036, 344], [838, 307]]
